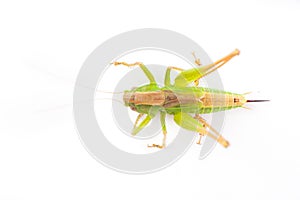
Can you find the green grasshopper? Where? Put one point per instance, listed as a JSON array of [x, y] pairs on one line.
[[181, 100]]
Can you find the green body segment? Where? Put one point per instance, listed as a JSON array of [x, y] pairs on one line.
[[196, 100]]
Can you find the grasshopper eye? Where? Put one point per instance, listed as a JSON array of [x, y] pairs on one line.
[[132, 107]]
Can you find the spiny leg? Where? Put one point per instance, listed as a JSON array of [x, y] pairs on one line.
[[164, 130], [219, 138], [188, 122], [142, 66], [168, 74], [190, 75], [219, 63]]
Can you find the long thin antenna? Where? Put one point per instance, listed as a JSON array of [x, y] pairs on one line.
[[63, 106], [101, 91]]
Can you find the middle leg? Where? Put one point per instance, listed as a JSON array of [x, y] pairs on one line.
[[168, 74], [164, 130]]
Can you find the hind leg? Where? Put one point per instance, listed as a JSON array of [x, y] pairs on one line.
[[216, 135], [199, 125]]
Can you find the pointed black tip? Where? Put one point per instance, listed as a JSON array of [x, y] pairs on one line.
[[257, 100]]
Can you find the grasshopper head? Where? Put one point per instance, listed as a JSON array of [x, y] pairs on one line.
[[128, 98]]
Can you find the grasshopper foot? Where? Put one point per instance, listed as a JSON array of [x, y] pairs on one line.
[[127, 64], [197, 60], [156, 146], [163, 142], [199, 140]]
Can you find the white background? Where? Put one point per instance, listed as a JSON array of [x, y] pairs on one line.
[[42, 47]]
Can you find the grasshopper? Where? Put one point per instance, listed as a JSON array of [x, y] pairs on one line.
[[182, 100]]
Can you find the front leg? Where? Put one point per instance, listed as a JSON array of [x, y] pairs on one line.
[[142, 66], [138, 128]]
